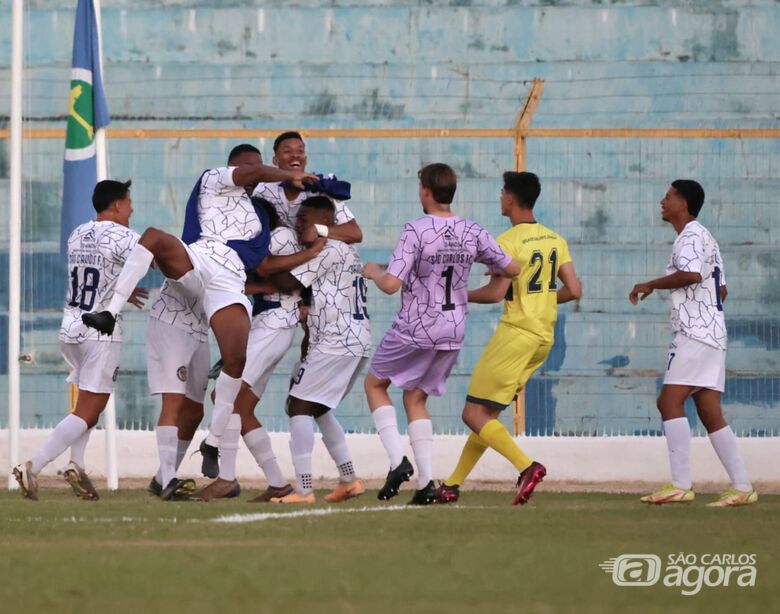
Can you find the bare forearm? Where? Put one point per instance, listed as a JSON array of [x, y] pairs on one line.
[[565, 295], [255, 173], [387, 283], [259, 287], [349, 232], [278, 264], [678, 279]]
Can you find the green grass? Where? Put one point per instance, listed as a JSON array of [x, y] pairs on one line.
[[130, 552]]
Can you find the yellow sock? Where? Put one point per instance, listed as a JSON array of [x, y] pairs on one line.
[[497, 437], [471, 453]]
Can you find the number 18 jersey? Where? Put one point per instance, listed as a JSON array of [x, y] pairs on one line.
[[532, 301], [96, 254]]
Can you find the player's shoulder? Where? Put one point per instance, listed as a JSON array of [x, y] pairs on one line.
[[268, 191], [283, 233]]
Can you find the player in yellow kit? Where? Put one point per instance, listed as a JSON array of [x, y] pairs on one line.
[[523, 337]]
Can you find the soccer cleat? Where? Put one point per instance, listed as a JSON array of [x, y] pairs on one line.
[[103, 321], [218, 489], [272, 492], [80, 483], [527, 482], [178, 490], [210, 464], [294, 497], [154, 488], [733, 497], [344, 491], [27, 480], [669, 493], [424, 496], [447, 494], [396, 477]]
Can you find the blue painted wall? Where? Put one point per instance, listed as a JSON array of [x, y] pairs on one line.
[[407, 64]]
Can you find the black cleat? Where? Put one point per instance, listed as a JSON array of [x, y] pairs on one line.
[[177, 490], [424, 496], [210, 465], [154, 488], [396, 477], [103, 322]]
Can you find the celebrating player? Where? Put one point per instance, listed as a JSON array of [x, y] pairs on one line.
[[97, 250], [697, 355], [431, 260], [523, 337]]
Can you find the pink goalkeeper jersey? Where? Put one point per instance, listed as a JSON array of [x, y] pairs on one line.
[[433, 258]]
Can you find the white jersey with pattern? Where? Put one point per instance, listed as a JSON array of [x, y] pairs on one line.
[[284, 242], [288, 209], [96, 254], [697, 311], [338, 318], [226, 213], [186, 313]]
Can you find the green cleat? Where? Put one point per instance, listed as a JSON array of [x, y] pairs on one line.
[[733, 497], [669, 494]]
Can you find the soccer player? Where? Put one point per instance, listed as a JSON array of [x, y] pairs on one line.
[[97, 251], [339, 344], [523, 337], [290, 155], [431, 261], [697, 355], [226, 237], [177, 360]]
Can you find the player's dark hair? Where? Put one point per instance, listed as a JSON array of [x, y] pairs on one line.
[[243, 148], [693, 194], [108, 191], [524, 186], [323, 203], [273, 216], [284, 136], [441, 180]]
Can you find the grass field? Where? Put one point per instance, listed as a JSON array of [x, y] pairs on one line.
[[130, 552]]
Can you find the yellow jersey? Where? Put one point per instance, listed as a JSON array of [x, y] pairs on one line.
[[531, 302]]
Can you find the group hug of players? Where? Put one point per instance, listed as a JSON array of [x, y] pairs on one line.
[[286, 238]]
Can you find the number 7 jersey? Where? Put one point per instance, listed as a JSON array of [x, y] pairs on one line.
[[96, 254], [532, 300]]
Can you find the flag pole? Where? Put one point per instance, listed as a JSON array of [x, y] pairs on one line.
[[15, 239], [101, 160]]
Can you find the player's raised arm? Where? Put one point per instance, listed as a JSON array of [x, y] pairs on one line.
[[348, 232], [252, 174], [387, 283], [492, 292], [572, 288]]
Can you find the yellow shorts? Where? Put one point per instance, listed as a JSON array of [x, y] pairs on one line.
[[509, 359]]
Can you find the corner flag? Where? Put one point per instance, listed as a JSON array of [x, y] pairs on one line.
[[87, 113]]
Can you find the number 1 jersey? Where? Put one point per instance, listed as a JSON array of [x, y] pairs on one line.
[[96, 254], [532, 301]]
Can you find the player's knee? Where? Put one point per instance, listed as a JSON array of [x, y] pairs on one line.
[[234, 366]]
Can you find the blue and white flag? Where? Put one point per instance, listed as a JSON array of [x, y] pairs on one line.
[[87, 112]]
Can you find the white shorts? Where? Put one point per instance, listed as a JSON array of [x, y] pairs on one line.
[[265, 348], [176, 361], [94, 365], [221, 286], [326, 378], [693, 363]]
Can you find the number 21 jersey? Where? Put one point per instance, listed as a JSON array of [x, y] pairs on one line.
[[96, 254]]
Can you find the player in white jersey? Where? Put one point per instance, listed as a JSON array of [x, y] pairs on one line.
[[339, 346], [225, 237], [97, 251], [290, 155], [177, 359], [696, 365]]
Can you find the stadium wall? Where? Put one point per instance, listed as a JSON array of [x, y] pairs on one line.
[[406, 64]]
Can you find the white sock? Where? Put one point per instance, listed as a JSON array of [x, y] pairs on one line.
[[167, 438], [421, 438], [259, 444], [181, 450], [301, 446], [725, 443], [228, 448], [64, 435], [336, 443], [78, 449], [678, 443], [386, 423], [135, 267], [226, 389]]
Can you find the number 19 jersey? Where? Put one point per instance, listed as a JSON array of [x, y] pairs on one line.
[[531, 302], [96, 254]]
